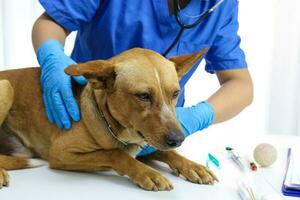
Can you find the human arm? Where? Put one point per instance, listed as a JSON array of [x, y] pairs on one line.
[[48, 39], [235, 93], [46, 28]]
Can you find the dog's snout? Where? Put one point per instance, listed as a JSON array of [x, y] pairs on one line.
[[174, 139]]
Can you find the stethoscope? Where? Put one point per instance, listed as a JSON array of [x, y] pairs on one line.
[[184, 26]]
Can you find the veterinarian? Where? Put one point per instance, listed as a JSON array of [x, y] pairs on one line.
[[107, 28]]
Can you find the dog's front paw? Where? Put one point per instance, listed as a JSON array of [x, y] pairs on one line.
[[4, 178], [152, 180], [194, 172]]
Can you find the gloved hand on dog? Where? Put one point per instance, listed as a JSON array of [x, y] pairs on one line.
[[192, 119], [59, 101]]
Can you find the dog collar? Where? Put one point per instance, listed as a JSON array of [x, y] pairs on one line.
[[107, 124], [109, 127]]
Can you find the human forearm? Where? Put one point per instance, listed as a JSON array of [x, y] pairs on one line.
[[46, 28], [235, 93]]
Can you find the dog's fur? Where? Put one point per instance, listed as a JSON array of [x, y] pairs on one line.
[[113, 87]]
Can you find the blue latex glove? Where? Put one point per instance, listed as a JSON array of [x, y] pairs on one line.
[[60, 104], [192, 119]]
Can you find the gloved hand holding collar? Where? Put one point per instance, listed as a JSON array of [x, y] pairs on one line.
[[59, 101]]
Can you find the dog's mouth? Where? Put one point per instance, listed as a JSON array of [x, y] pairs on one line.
[[143, 137], [149, 141]]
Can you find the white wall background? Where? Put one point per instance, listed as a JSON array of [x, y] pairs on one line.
[[270, 32], [16, 21], [284, 105]]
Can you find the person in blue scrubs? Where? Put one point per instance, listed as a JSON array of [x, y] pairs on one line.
[[107, 28]]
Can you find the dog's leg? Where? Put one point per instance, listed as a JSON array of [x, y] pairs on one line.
[[14, 162], [9, 162], [192, 171], [116, 159], [6, 99]]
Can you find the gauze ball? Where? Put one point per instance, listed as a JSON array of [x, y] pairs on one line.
[[265, 154]]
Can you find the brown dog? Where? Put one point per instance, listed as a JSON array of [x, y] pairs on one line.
[[129, 101]]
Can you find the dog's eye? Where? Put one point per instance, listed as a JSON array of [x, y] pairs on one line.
[[175, 94], [143, 96]]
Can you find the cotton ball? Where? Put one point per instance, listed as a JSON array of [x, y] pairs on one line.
[[265, 154]]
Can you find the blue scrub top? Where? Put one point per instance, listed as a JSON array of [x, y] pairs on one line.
[[107, 28]]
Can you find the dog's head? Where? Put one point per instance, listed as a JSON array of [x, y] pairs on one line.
[[142, 89]]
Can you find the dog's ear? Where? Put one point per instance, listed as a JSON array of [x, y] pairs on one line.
[[183, 63], [100, 73]]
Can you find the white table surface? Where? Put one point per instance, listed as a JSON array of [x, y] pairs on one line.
[[44, 183]]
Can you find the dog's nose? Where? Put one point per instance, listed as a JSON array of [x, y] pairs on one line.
[[174, 139]]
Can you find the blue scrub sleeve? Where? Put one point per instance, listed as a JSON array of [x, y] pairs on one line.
[[71, 14], [225, 52]]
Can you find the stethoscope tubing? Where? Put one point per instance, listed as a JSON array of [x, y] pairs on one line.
[[184, 26]]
